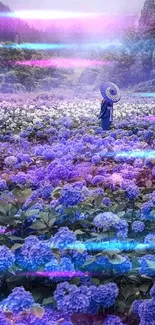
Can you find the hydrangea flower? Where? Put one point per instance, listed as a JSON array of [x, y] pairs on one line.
[[18, 301], [138, 226], [147, 263], [70, 196], [135, 306], [64, 238], [49, 154], [152, 292], [6, 258], [3, 319], [147, 311], [105, 295], [32, 255], [112, 320], [60, 172], [96, 159], [3, 185], [150, 239], [109, 220], [132, 192]]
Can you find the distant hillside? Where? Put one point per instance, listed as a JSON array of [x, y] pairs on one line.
[[16, 30]]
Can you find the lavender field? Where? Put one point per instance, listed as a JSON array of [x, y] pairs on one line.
[[77, 212]]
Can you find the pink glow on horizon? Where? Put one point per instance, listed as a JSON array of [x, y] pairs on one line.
[[90, 22], [62, 63]]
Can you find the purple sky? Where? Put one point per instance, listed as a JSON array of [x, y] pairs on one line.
[[106, 6]]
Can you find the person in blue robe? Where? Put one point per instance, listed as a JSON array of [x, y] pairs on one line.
[[106, 114]]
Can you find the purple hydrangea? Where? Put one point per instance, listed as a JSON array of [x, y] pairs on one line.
[[98, 179], [112, 320], [19, 178], [70, 196], [96, 159], [3, 319], [60, 172], [153, 171], [138, 226], [49, 154]]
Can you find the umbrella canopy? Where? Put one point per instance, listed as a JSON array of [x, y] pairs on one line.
[[110, 92]]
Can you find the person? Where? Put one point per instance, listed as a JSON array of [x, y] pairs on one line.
[[106, 114]]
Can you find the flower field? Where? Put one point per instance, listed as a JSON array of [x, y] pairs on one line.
[[77, 213]]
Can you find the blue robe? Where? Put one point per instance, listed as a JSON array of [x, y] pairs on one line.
[[106, 115]]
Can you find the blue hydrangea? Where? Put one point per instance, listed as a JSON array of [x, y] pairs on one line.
[[3, 185], [150, 239], [112, 320], [70, 196], [66, 265], [106, 295], [146, 209], [64, 238], [32, 255], [147, 311], [46, 191], [78, 258], [110, 221], [152, 292], [52, 266], [135, 306], [6, 258], [106, 201], [18, 301], [132, 192], [138, 226], [147, 263]]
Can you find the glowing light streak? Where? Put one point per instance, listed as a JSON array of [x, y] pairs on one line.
[[56, 274], [62, 46], [110, 246], [47, 15], [137, 154], [146, 94], [62, 63]]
